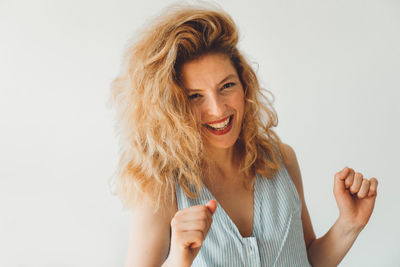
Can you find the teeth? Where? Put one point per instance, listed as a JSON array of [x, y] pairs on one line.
[[220, 125]]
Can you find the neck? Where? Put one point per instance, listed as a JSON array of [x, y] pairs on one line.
[[223, 162]]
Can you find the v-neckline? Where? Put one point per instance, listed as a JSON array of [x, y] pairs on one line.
[[221, 210]]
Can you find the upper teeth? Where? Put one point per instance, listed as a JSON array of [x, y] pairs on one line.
[[220, 124]]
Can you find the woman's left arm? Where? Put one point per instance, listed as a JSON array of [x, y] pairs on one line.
[[355, 197]]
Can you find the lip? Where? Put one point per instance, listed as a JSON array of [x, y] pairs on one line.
[[221, 120], [225, 131]]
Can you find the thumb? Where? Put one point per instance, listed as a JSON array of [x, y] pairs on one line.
[[212, 206]]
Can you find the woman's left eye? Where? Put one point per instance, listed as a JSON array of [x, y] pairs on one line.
[[227, 85]]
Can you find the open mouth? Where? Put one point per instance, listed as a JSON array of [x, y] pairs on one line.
[[221, 127]]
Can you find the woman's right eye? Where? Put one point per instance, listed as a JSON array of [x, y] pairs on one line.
[[193, 96]]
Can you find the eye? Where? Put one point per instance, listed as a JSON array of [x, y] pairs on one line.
[[194, 96], [227, 85]]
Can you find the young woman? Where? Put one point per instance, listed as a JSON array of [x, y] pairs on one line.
[[208, 181]]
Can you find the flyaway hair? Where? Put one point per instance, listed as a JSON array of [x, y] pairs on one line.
[[160, 140]]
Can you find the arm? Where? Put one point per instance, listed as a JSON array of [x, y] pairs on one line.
[[355, 197], [330, 249], [149, 235]]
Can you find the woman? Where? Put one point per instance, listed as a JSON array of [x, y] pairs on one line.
[[207, 179]]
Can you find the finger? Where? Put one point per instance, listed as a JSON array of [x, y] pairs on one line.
[[192, 239], [349, 179], [212, 206], [341, 175], [355, 187], [192, 215], [364, 189], [193, 212], [201, 225], [188, 238], [339, 178], [373, 185]]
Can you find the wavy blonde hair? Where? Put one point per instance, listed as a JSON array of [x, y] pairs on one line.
[[160, 139]]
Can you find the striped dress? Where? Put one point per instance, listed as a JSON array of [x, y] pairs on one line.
[[277, 238]]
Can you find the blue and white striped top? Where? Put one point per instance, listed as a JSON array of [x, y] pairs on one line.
[[277, 238]]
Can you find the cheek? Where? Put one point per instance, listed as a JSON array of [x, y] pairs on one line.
[[197, 112], [239, 102]]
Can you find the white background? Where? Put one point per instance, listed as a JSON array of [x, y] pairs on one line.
[[333, 67]]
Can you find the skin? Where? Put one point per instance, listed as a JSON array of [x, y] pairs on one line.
[[217, 97], [215, 91], [355, 197]]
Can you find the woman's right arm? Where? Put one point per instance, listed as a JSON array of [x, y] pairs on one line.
[[150, 234]]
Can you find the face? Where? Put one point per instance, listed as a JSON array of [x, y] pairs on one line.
[[216, 94]]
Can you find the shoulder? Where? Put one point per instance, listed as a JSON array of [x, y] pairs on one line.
[[289, 155], [292, 166]]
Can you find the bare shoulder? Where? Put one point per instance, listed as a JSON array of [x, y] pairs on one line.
[[149, 236], [292, 166], [290, 158]]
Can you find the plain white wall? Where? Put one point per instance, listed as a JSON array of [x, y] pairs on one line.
[[333, 67]]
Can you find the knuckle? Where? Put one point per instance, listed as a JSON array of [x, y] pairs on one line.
[[178, 213], [361, 195], [353, 189], [174, 222], [200, 236], [202, 224], [203, 209], [372, 191]]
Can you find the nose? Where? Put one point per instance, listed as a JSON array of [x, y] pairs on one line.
[[215, 106]]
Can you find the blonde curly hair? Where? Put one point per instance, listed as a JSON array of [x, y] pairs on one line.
[[160, 140]]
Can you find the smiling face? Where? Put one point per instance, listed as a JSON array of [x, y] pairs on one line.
[[216, 94]]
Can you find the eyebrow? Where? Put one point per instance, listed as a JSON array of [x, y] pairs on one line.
[[230, 76]]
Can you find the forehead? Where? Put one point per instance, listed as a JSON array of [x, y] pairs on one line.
[[206, 71]]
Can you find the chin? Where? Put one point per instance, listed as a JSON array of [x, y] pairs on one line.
[[221, 144]]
